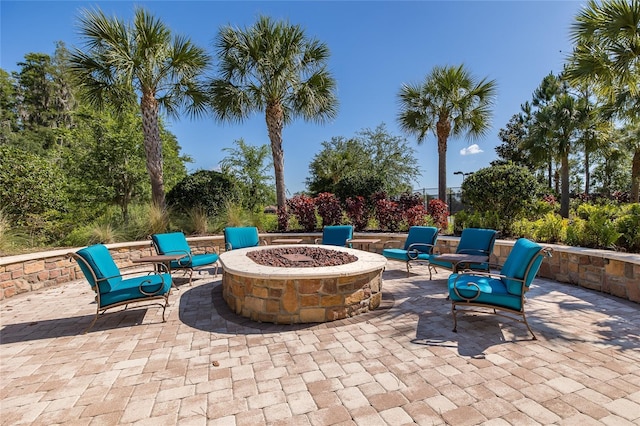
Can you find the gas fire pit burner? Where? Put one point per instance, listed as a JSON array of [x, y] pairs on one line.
[[297, 257], [300, 257]]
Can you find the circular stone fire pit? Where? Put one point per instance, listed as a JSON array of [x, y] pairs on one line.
[[301, 294]]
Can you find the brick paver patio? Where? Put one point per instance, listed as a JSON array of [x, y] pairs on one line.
[[399, 365]]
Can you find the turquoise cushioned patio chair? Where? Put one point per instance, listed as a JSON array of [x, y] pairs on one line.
[[473, 241], [336, 235], [241, 237], [112, 289], [176, 243], [503, 292], [417, 248]]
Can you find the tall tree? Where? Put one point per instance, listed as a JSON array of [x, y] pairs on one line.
[[34, 88], [141, 58], [512, 136], [372, 153], [8, 105], [450, 102], [272, 67], [565, 116], [606, 53], [250, 166]]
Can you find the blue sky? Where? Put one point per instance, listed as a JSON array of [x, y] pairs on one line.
[[376, 46]]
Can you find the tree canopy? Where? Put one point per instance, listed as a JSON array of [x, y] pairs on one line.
[[373, 155]]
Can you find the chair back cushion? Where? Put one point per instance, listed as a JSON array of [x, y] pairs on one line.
[[171, 243], [423, 235], [522, 263], [99, 260], [477, 241], [337, 235], [240, 237]]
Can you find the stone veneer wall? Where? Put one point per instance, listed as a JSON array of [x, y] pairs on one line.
[[302, 300], [601, 270]]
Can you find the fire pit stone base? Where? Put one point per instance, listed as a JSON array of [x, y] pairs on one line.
[[302, 295]]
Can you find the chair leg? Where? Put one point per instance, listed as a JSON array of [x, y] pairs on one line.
[[95, 318], [164, 307], [455, 318], [524, 319]]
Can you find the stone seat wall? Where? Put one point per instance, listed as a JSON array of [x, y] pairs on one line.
[[610, 272]]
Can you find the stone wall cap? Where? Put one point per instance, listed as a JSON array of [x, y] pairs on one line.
[[237, 263]]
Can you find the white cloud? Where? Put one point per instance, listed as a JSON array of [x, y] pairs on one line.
[[471, 150]]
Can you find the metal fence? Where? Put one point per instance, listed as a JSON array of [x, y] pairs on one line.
[[454, 197]]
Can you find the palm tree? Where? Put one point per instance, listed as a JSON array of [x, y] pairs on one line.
[[272, 67], [122, 61], [566, 115], [606, 53], [450, 102]]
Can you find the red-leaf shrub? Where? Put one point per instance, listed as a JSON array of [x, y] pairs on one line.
[[416, 216], [375, 197], [389, 215], [304, 209], [408, 201], [439, 211], [283, 219], [329, 209], [357, 212]]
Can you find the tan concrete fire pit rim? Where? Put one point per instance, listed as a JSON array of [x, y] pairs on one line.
[[237, 262]]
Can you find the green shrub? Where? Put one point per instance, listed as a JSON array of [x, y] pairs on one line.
[[104, 233], [524, 228], [504, 192], [206, 189], [552, 228], [628, 224], [11, 238], [598, 231], [487, 219]]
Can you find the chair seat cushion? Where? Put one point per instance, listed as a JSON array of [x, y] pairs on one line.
[[196, 260], [400, 254], [337, 235], [517, 263], [129, 289], [171, 243], [241, 237], [493, 292], [101, 263]]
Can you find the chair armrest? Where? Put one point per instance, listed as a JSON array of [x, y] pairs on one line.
[[391, 242], [160, 286], [129, 270], [412, 250], [482, 274], [416, 245], [479, 252]]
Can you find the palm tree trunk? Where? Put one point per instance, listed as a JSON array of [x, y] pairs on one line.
[[153, 148], [275, 123], [564, 195], [635, 176], [587, 173], [443, 128]]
